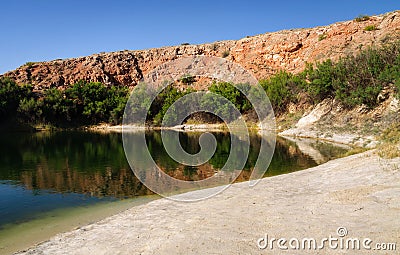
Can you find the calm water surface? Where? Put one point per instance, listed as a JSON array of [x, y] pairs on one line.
[[41, 172]]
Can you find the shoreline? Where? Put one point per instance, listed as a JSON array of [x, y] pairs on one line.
[[16, 237], [368, 142], [355, 140], [183, 127], [359, 192]]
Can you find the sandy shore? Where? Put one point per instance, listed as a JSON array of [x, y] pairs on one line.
[[360, 193]]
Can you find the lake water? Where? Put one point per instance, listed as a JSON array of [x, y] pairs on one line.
[[41, 173]]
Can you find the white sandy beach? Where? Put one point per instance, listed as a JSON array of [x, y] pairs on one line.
[[360, 193]]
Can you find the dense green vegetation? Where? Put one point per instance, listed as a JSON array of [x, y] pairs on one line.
[[352, 80], [81, 103], [355, 80], [233, 94], [163, 102], [281, 89], [10, 96]]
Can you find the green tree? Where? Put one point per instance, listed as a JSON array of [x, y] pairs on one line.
[[94, 102], [163, 102], [233, 94], [30, 109], [10, 96], [354, 79], [280, 89], [56, 107], [321, 80], [391, 75]]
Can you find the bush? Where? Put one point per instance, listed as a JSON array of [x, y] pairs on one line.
[[390, 142], [170, 95], [360, 82], [94, 102], [10, 96], [370, 28], [391, 74], [30, 110], [117, 99], [230, 92], [187, 79], [321, 37], [354, 80], [163, 102], [280, 89], [221, 108], [225, 53], [362, 18], [82, 103], [29, 64], [320, 80], [56, 107]]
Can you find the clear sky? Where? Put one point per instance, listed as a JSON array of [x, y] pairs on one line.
[[39, 30]]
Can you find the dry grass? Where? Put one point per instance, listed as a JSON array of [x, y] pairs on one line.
[[353, 151], [288, 120], [390, 142]]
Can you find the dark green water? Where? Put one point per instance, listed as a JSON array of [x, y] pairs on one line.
[[41, 172]]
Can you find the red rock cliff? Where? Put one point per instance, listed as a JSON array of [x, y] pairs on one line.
[[262, 54]]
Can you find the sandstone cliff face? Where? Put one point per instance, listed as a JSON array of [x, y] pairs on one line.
[[262, 54]]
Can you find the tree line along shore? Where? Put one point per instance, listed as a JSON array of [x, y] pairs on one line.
[[353, 80]]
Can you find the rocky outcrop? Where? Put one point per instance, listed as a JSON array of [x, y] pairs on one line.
[[316, 114], [263, 54]]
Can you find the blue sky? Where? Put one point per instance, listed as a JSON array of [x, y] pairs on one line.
[[39, 30]]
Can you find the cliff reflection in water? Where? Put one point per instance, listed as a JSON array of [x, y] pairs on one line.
[[95, 163]]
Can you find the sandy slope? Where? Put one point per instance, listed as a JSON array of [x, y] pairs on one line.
[[360, 192]]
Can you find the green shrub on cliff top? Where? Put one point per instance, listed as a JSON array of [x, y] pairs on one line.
[[361, 18], [370, 28]]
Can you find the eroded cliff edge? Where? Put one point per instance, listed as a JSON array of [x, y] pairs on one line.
[[263, 54]]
